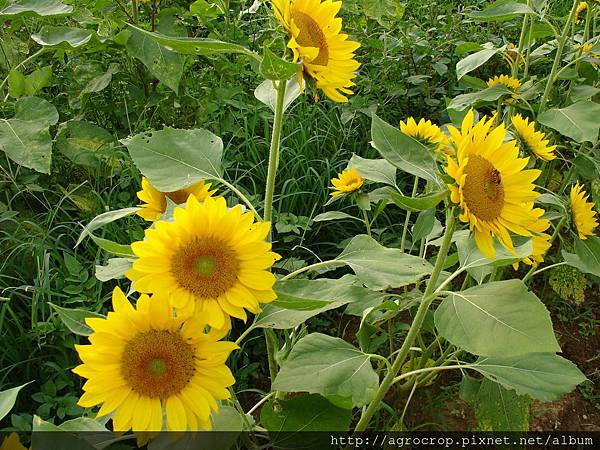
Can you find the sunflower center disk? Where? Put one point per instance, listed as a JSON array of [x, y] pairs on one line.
[[311, 35], [483, 190], [205, 267], [157, 364]]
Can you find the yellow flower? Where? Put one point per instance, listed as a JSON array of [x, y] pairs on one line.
[[584, 215], [533, 140], [211, 260], [508, 81], [581, 8], [12, 442], [425, 132], [495, 194], [540, 241], [156, 202], [327, 55], [585, 47], [348, 180], [144, 360]]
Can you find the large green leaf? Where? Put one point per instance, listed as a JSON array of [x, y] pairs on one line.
[[62, 37], [35, 8], [325, 365], [377, 170], [403, 151], [266, 93], [115, 268], [386, 12], [272, 67], [164, 64], [496, 319], [310, 412], [501, 10], [20, 85], [26, 138], [74, 319], [500, 409], [172, 158], [193, 46], [475, 60], [490, 94], [8, 399], [543, 376], [578, 121], [587, 255], [379, 267]]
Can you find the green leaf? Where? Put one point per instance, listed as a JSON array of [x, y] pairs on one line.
[[272, 67], [173, 158], [113, 247], [386, 12], [25, 138], [490, 94], [420, 203], [501, 10], [74, 319], [16, 83], [586, 257], [309, 412], [403, 151], [104, 219], [8, 399], [333, 215], [227, 419], [114, 269], [499, 409], [203, 9], [164, 64], [321, 364], [501, 318], [84, 143], [475, 60], [102, 81], [424, 224], [543, 376], [36, 8], [37, 80], [377, 170], [62, 37], [192, 46], [266, 93], [380, 268], [578, 121]]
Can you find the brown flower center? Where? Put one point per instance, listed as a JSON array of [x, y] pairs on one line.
[[483, 191], [157, 364], [311, 35], [206, 267]]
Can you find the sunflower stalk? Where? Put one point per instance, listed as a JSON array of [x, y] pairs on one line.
[[428, 297]]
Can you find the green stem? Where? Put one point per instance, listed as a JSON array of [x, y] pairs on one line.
[[270, 337], [306, 268], [517, 61], [557, 58], [407, 220], [415, 327], [527, 55], [367, 222], [241, 196]]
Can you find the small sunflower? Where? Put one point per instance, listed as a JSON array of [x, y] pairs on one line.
[[584, 215], [582, 7], [327, 55], [510, 82], [540, 240], [585, 47], [211, 260], [12, 442], [144, 360], [347, 181], [156, 202], [533, 140], [495, 194], [425, 132]]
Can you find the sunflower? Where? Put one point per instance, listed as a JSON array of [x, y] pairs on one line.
[[425, 132], [581, 8], [144, 360], [584, 215], [533, 140], [495, 194], [156, 202], [327, 55], [12, 442], [540, 241], [210, 259], [347, 181]]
